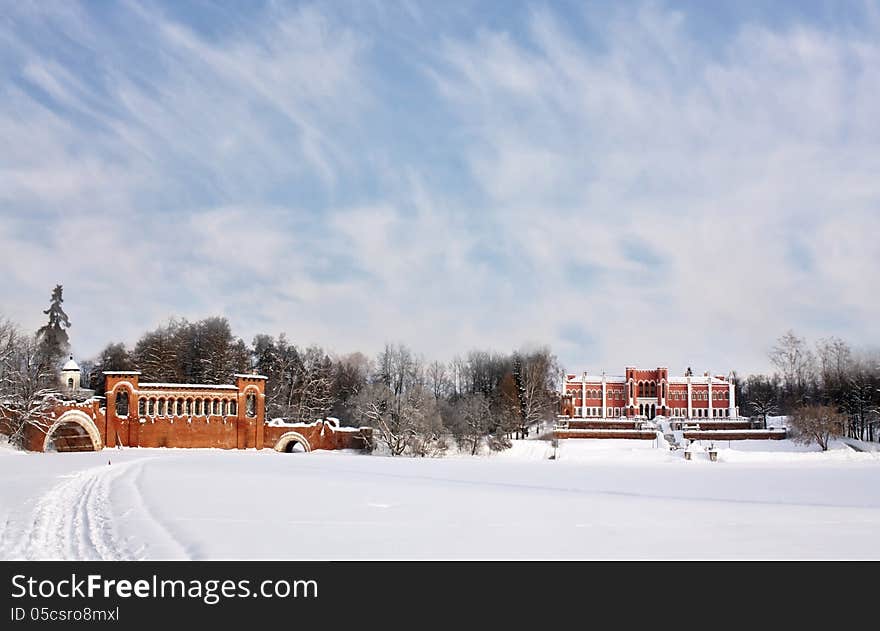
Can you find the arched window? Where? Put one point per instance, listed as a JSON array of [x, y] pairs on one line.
[[70, 383], [233, 408], [151, 410], [161, 408], [216, 408], [250, 405], [122, 403], [641, 390], [142, 403], [188, 407]]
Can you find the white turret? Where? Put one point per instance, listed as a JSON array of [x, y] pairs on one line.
[[70, 376]]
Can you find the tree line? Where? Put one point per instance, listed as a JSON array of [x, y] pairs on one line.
[[827, 389], [477, 401]]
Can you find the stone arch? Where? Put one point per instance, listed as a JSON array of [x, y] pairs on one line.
[[289, 437], [80, 418]]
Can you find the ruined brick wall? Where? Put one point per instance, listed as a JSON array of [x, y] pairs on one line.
[[320, 435], [736, 435], [611, 433]]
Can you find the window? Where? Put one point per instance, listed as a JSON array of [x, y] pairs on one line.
[[151, 409], [250, 405], [70, 383], [122, 403], [142, 407]]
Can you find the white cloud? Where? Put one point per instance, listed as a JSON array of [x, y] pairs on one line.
[[647, 198]]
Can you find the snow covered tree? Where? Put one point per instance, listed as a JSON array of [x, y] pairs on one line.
[[397, 404], [761, 396], [155, 354], [536, 374], [54, 342], [312, 388], [350, 375], [25, 397], [861, 399], [471, 421]]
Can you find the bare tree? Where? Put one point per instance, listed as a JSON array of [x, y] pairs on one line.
[[438, 380], [793, 358], [817, 423]]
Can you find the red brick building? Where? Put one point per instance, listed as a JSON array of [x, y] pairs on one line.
[[143, 414], [640, 393]]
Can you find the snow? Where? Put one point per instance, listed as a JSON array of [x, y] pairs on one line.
[[598, 499], [70, 365], [777, 422]]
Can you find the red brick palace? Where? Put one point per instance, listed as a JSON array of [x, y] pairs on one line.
[[647, 394]]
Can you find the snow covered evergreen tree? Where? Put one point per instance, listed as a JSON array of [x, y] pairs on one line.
[[52, 337]]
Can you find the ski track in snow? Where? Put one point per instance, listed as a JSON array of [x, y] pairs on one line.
[[73, 520]]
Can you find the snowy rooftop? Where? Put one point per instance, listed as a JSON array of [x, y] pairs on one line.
[[188, 385], [598, 379], [697, 379], [250, 376], [122, 372], [70, 365]]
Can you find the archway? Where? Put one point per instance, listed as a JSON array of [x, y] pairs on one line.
[[73, 431], [292, 442]]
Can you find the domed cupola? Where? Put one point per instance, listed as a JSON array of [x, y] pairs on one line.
[[70, 375]]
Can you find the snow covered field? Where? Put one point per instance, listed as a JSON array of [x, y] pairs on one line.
[[599, 499]]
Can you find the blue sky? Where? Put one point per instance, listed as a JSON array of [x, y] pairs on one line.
[[631, 183]]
